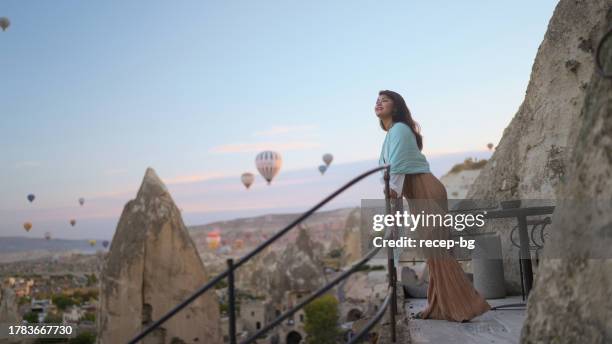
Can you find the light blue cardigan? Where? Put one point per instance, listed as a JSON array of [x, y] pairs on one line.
[[400, 149]]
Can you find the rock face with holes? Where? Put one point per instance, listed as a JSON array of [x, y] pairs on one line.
[[8, 306], [9, 313], [352, 238], [299, 268], [152, 265], [572, 299], [531, 160]]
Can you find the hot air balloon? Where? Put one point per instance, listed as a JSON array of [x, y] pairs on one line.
[[81, 201], [27, 226], [327, 159], [490, 146], [213, 239], [322, 169], [268, 164], [47, 236], [105, 243], [92, 243], [247, 179], [4, 23], [72, 222], [31, 197]]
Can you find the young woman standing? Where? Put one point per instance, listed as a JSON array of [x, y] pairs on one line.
[[450, 295]]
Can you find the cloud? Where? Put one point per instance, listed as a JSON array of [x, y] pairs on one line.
[[284, 129], [115, 171], [257, 147], [24, 164], [197, 178]]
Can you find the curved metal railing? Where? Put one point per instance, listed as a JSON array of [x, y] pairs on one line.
[[375, 319], [229, 274]]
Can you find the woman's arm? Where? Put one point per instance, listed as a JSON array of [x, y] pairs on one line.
[[396, 184]]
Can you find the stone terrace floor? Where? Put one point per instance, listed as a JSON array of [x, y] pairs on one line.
[[493, 327]]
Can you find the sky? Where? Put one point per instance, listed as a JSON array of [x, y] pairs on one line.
[[93, 93]]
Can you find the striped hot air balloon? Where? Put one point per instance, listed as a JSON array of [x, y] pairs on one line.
[[268, 164], [213, 239]]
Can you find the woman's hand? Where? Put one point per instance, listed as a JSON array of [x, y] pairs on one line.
[[392, 194]]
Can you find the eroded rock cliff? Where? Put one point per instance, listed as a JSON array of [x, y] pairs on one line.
[[152, 265], [531, 160], [572, 299]]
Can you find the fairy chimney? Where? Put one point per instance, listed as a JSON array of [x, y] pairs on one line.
[[152, 265]]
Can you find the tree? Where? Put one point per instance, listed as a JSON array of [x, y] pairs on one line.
[[53, 319], [24, 300], [321, 323], [92, 280], [31, 317], [62, 301], [89, 316], [84, 338]]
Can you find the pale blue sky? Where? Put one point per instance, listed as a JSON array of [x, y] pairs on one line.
[[94, 92]]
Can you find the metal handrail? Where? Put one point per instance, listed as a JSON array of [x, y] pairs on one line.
[[375, 319], [318, 293], [598, 64], [265, 244]]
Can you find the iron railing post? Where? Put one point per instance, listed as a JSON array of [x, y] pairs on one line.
[[390, 258], [254, 252], [231, 296]]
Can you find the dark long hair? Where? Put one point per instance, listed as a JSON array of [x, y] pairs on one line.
[[401, 113]]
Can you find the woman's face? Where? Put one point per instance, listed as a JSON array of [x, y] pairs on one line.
[[384, 107]]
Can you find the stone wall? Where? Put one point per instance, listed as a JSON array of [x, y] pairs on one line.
[[572, 299], [532, 158]]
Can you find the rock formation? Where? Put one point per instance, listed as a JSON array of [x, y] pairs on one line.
[[152, 266], [352, 238], [8, 306], [9, 313], [531, 160], [298, 268], [458, 181], [255, 275], [572, 299]]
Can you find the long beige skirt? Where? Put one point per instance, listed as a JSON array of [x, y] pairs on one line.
[[450, 295]]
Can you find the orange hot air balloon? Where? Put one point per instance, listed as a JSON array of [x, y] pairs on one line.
[[213, 239], [27, 226]]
